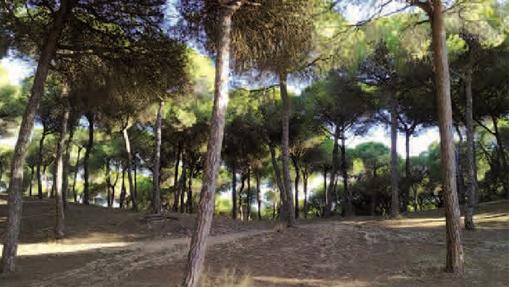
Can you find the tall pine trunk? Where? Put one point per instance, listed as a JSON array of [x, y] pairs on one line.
[[59, 169], [196, 254], [27, 124], [454, 258], [129, 168], [394, 160], [175, 180], [296, 183], [285, 152], [305, 183], [88, 151], [156, 194], [40, 162], [31, 180], [67, 158], [471, 170], [123, 191], [335, 161]]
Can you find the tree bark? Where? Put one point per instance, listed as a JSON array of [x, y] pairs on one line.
[[277, 175], [471, 170], [454, 258], [258, 196], [348, 205], [394, 161], [196, 254], [16, 181], [76, 169], [122, 189], [129, 167], [67, 158], [156, 196], [501, 157], [175, 181], [190, 191], [31, 180], [285, 152], [408, 174], [332, 177], [248, 194], [59, 169], [108, 182], [297, 181], [234, 192], [88, 151], [40, 163], [182, 184], [305, 182]]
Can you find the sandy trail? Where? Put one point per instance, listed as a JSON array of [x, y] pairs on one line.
[[118, 262]]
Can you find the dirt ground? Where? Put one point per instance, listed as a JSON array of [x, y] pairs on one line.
[[119, 248]]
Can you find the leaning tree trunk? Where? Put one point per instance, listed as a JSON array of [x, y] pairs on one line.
[[156, 195], [454, 258], [196, 254], [285, 151], [471, 170], [394, 160], [297, 180], [234, 192], [59, 169], [39, 162], [88, 151], [76, 169], [335, 160], [277, 175], [129, 167], [27, 124]]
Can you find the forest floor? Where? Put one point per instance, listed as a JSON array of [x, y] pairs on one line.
[[106, 247]]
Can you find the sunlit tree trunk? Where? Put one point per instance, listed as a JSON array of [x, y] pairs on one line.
[[67, 158], [277, 175], [175, 180], [10, 238], [394, 161], [59, 169], [454, 258], [129, 168], [471, 170], [88, 151], [348, 204], [156, 195], [196, 254], [285, 152]]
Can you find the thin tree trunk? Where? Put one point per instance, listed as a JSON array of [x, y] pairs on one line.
[[88, 151], [454, 258], [248, 194], [334, 171], [182, 184], [76, 169], [242, 185], [108, 182], [234, 192], [129, 166], [67, 157], [297, 180], [285, 152], [190, 191], [16, 181], [324, 189], [408, 175], [59, 169], [196, 255], [348, 204], [123, 191], [471, 170], [31, 180], [40, 163], [460, 182], [258, 196], [305, 179], [394, 161], [277, 174], [501, 157], [156, 195], [175, 181]]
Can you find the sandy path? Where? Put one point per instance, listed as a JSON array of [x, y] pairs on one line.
[[117, 263]]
